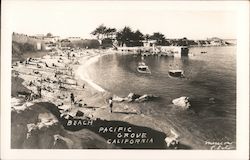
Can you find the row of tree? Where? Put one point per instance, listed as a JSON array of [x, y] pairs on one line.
[[127, 36]]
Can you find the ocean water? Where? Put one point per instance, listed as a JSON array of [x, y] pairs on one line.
[[209, 75]]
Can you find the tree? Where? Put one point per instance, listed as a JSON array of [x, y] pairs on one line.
[[124, 36], [146, 37], [110, 32], [128, 37], [183, 42], [138, 36], [159, 37], [100, 32], [49, 35]]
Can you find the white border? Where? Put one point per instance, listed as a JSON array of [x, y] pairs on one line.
[[241, 7]]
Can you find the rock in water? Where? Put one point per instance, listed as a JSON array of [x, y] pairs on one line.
[[182, 102], [117, 98], [211, 100], [133, 96], [142, 98], [145, 97], [171, 142]]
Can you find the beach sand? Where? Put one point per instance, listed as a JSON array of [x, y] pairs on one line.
[[72, 72]]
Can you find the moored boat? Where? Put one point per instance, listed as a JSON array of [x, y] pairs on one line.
[[176, 73], [143, 68]]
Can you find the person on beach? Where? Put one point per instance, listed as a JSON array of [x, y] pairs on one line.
[[68, 55], [60, 82], [111, 104], [39, 91], [31, 96], [31, 83], [72, 98]]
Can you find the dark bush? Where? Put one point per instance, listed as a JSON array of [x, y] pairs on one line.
[[107, 43], [87, 43], [18, 48]]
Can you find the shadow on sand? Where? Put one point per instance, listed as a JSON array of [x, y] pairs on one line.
[[125, 112], [90, 107]]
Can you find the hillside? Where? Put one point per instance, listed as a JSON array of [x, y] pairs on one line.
[[24, 46]]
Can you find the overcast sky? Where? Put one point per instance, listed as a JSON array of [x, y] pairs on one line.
[[81, 18]]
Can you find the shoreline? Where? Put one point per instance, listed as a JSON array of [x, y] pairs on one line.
[[95, 97], [85, 62]]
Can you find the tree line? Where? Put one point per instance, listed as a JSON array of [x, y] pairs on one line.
[[126, 36]]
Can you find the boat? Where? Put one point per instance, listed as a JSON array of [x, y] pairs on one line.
[[143, 68], [176, 73]]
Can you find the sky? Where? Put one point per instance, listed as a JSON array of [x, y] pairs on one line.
[[80, 18]]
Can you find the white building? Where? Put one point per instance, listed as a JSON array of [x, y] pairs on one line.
[[74, 38], [39, 46], [149, 43]]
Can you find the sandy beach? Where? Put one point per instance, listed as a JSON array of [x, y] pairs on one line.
[[60, 74]]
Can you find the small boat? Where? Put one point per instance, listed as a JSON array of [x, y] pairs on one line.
[[203, 52], [143, 68], [176, 73]]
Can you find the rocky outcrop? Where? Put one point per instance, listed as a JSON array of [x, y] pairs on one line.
[[61, 142], [172, 141], [33, 126], [211, 100], [117, 98], [132, 97], [182, 102], [145, 97]]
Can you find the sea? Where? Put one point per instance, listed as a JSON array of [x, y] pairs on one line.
[[210, 82]]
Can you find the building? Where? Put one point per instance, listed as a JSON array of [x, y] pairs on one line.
[[74, 38], [39, 46], [53, 39], [149, 43]]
